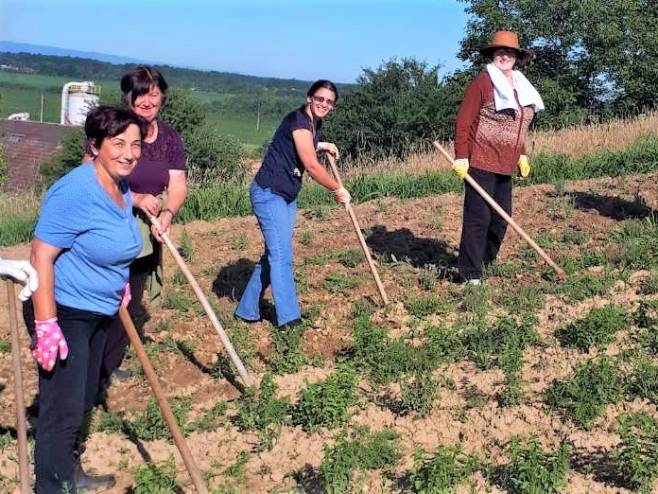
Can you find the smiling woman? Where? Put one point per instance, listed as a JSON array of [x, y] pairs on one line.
[[84, 242]]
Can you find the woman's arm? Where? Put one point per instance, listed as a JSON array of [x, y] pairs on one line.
[[42, 259], [469, 112], [306, 149], [176, 194]]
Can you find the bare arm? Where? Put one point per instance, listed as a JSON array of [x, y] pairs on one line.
[[176, 194], [306, 150], [42, 259]]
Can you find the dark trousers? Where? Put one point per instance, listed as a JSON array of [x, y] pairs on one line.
[[117, 338], [66, 394], [483, 229]]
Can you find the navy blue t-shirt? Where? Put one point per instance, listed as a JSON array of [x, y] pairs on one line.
[[282, 168]]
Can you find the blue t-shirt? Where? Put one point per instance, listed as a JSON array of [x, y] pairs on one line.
[[99, 240], [282, 168]]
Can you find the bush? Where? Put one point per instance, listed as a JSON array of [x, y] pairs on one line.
[[70, 156], [213, 157]]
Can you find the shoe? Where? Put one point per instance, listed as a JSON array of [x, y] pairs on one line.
[[291, 324], [474, 282], [92, 483], [248, 321], [121, 374]]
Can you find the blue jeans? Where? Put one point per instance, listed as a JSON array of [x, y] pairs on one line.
[[276, 218]]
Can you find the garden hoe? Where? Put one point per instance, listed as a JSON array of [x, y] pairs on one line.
[[204, 302], [167, 414], [561, 276], [21, 424], [357, 229]]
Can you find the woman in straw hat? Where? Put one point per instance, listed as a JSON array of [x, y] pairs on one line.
[[490, 136]]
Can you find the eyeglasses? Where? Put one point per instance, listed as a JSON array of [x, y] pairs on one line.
[[322, 99]]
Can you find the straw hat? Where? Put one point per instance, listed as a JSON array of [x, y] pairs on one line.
[[506, 39]]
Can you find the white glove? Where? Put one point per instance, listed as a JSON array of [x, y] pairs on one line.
[[23, 273]]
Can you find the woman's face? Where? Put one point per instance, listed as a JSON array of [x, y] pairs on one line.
[[118, 155], [322, 102], [148, 105], [505, 58]]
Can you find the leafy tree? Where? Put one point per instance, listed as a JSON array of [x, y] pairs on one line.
[[393, 109], [183, 112], [70, 156], [593, 58]]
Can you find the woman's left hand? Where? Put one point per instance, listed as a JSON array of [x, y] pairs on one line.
[[329, 147], [164, 218]]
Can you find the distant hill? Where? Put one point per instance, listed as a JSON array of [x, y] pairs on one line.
[[91, 68], [12, 47]]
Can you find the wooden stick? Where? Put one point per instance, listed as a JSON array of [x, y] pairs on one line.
[[204, 302], [560, 273], [167, 414], [359, 234], [21, 424]]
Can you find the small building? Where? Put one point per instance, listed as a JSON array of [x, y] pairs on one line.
[[27, 145]]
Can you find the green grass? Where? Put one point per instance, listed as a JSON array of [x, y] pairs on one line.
[[596, 329], [442, 472], [636, 458]]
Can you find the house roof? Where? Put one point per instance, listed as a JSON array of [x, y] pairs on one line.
[[27, 145]]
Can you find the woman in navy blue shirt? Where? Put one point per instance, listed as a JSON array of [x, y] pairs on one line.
[[273, 195], [84, 242]]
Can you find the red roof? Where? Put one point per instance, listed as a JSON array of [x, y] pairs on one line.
[[27, 145]]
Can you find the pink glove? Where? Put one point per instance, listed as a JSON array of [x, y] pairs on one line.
[[127, 296], [50, 340]]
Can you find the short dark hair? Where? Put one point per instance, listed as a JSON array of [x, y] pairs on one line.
[[107, 121], [138, 82], [322, 83]]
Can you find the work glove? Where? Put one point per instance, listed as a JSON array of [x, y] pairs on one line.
[[23, 273], [49, 342], [342, 196], [524, 166], [460, 167]]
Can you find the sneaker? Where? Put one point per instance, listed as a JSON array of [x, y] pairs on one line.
[[121, 374], [474, 282], [291, 324], [92, 483]]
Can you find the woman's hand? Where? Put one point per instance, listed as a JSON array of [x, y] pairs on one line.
[[164, 218], [49, 343], [22, 272], [147, 203], [343, 196], [330, 148]]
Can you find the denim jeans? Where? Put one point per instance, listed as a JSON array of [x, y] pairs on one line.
[[276, 218], [66, 394]]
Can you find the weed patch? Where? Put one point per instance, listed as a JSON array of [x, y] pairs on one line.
[[597, 329], [443, 472], [637, 455]]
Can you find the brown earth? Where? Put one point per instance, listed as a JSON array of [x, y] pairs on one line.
[[406, 237]]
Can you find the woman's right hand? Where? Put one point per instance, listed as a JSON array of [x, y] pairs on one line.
[[49, 342], [147, 203], [342, 196]]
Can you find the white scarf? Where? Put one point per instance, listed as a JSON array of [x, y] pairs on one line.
[[504, 92]]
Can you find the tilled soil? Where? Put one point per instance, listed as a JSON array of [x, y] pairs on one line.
[[408, 238]]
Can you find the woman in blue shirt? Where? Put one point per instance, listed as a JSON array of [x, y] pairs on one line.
[[84, 242], [273, 195]]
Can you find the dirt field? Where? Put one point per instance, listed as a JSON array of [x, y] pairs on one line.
[[416, 244]]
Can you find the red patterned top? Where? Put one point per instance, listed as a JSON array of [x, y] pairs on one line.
[[491, 140]]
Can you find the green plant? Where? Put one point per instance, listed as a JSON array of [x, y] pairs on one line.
[[109, 422], [211, 419], [155, 479], [177, 300], [150, 425], [360, 452], [422, 307], [5, 346], [306, 237], [533, 471], [583, 396], [337, 282], [637, 456], [417, 394], [443, 472], [261, 411], [186, 249], [596, 329], [643, 381], [240, 241], [444, 345], [351, 258], [326, 404], [287, 357]]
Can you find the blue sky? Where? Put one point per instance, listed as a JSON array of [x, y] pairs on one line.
[[303, 39]]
